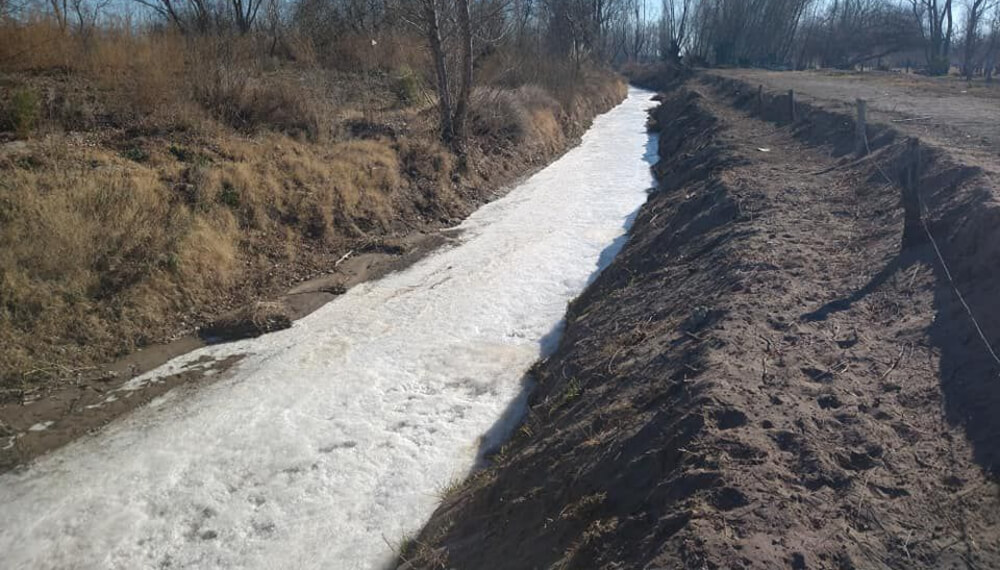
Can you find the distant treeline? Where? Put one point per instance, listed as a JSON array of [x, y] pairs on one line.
[[928, 34]]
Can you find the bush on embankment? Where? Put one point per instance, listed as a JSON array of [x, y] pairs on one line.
[[150, 181], [659, 76]]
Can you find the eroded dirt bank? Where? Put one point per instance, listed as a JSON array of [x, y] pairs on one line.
[[776, 372]]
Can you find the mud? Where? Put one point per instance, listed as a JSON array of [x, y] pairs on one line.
[[776, 371]]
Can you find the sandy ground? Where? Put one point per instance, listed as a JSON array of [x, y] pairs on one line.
[[767, 376], [946, 111]]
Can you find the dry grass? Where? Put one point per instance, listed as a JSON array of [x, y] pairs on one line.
[[162, 181], [526, 115], [95, 249]]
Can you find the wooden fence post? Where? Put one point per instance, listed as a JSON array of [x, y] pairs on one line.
[[791, 104], [911, 197], [760, 100], [861, 144]]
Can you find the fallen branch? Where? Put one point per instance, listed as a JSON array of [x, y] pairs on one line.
[[342, 259], [894, 364]]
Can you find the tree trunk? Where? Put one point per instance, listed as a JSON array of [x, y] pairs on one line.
[[437, 52], [465, 91], [990, 62], [967, 59], [971, 33]]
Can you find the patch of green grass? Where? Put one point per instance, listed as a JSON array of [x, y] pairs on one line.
[[407, 86], [229, 196], [135, 154], [29, 162], [573, 390], [180, 153], [24, 111]]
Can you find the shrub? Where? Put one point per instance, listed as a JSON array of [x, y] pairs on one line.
[[135, 154], [523, 115], [279, 105], [247, 103], [939, 66], [497, 114], [229, 195], [24, 112], [407, 86]]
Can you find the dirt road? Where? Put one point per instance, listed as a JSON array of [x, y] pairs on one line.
[[767, 376], [946, 111]]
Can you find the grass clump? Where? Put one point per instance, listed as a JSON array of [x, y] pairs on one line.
[[22, 112], [407, 86]]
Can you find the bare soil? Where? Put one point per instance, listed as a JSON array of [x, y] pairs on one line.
[[767, 376], [947, 111]]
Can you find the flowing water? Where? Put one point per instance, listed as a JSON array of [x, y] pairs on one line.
[[330, 442]]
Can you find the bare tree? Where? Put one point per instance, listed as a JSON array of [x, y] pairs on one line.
[[636, 29], [522, 12], [745, 32], [273, 24], [245, 13], [432, 23], [201, 16], [60, 11], [849, 33], [974, 12], [465, 91], [87, 13], [186, 15], [937, 28], [992, 46], [452, 115], [673, 28], [570, 29]]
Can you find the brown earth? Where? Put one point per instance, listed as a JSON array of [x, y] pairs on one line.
[[946, 111], [768, 375]]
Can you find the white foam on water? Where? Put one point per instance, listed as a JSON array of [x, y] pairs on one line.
[[331, 441]]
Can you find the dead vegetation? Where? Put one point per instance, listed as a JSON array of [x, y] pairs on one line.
[[152, 181]]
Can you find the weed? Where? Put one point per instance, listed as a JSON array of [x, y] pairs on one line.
[[180, 153], [449, 489], [172, 262], [573, 390], [407, 86], [229, 195], [28, 162], [526, 431], [135, 154], [24, 112]]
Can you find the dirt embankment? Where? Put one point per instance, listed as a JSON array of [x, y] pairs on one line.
[[946, 111], [112, 259], [769, 375]]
